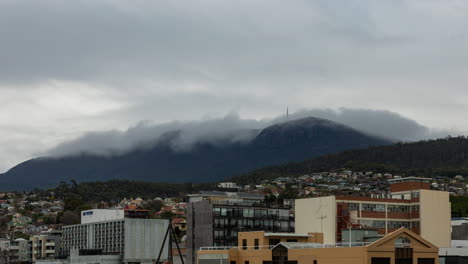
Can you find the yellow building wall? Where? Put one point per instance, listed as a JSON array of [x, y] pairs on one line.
[[317, 215], [435, 216], [353, 255], [384, 248]]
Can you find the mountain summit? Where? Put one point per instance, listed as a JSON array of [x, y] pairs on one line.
[[205, 161]]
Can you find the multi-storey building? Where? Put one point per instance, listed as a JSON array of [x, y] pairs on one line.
[[216, 218], [111, 233], [20, 251], [410, 204], [46, 245], [264, 248], [15, 251]]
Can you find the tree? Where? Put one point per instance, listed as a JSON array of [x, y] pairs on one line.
[[70, 218], [167, 215], [154, 206]]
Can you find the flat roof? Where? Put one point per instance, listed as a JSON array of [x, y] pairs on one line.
[[293, 245], [287, 235]]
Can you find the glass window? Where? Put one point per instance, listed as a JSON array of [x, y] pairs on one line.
[[373, 207], [353, 206], [217, 211]]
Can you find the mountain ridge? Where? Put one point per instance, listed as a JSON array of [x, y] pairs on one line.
[[206, 161]]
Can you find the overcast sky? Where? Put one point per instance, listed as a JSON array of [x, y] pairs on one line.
[[71, 67]]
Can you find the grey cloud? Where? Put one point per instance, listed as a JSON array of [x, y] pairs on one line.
[[118, 42], [235, 129], [179, 60]]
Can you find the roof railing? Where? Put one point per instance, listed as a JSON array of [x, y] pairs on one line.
[[297, 245]]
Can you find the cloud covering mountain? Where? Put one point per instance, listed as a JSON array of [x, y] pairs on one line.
[[232, 128], [69, 68]]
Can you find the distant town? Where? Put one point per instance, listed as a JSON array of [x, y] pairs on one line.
[[332, 210]]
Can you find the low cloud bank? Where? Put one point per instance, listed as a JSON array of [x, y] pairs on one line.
[[232, 128]]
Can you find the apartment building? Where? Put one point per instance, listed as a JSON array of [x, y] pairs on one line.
[[410, 204], [20, 251], [46, 245], [15, 251], [264, 248], [216, 218], [134, 240]]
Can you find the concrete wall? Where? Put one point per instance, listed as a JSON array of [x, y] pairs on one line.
[[144, 239], [199, 228], [353, 255], [317, 215], [213, 257], [99, 215], [435, 217]]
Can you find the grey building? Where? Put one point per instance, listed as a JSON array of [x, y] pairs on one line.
[[134, 240], [15, 251], [215, 218], [20, 251]]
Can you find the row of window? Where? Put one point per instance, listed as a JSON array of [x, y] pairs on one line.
[[250, 212], [242, 223], [381, 208], [390, 224]]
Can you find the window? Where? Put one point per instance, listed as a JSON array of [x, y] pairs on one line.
[[373, 207], [380, 261], [246, 262], [426, 261], [248, 212], [257, 243], [398, 224], [232, 262], [315, 261], [353, 207], [372, 223], [399, 208], [244, 244], [291, 240]]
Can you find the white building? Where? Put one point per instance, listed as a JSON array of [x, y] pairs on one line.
[[99, 215], [227, 185], [134, 240]]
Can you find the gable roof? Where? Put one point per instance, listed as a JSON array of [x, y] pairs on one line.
[[397, 233]]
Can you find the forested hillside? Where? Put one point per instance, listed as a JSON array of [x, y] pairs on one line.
[[445, 157]]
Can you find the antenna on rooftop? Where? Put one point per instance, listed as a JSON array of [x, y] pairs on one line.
[[287, 112]]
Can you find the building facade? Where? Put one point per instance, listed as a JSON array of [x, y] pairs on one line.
[[15, 251], [387, 250], [46, 245], [134, 240], [216, 218], [410, 204]]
